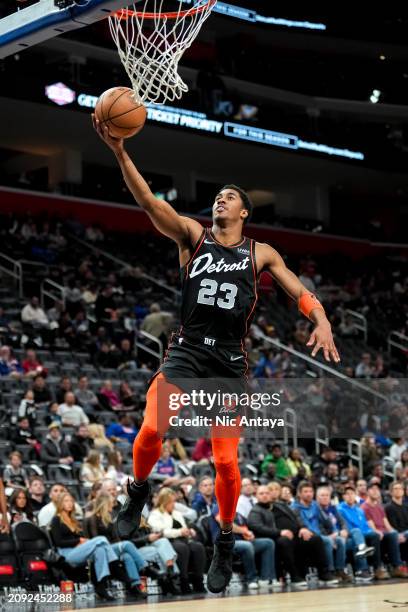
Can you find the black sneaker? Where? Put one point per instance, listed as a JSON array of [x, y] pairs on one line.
[[220, 572], [128, 518]]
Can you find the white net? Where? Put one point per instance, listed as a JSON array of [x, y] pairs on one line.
[[151, 42]]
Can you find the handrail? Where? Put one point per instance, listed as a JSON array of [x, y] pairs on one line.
[[152, 338], [44, 292], [125, 264], [290, 418], [16, 272], [395, 343], [317, 364], [358, 455], [321, 437], [361, 323]]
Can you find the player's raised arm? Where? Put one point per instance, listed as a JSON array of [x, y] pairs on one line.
[[308, 304], [163, 216]]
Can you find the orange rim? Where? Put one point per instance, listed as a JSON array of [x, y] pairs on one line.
[[127, 13]]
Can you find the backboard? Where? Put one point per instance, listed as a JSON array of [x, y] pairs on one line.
[[49, 18]]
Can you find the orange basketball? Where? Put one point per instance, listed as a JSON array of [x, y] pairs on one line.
[[121, 112]]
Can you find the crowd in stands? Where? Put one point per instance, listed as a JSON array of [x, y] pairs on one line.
[[73, 381]]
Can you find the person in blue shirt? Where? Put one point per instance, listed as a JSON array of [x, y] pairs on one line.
[[204, 501], [124, 430], [363, 537], [321, 524]]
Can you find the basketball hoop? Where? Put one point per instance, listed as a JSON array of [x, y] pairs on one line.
[[151, 43]]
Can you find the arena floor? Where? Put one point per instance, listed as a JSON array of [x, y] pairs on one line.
[[373, 598]]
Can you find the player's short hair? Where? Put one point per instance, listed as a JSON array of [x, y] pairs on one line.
[[246, 201]]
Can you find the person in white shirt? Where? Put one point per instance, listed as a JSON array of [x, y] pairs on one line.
[[191, 555], [47, 513], [247, 498], [397, 449], [71, 414], [33, 314]]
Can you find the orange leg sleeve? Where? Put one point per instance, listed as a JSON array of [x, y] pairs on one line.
[[148, 442], [228, 478]]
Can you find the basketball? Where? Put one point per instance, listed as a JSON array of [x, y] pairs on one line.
[[121, 112]]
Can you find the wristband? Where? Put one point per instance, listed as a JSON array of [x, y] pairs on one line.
[[308, 302]]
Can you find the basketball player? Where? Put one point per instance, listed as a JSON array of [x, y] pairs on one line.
[[220, 268]]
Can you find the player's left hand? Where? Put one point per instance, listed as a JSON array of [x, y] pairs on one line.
[[322, 338]]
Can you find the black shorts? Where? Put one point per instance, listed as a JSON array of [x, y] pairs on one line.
[[187, 358], [219, 371]]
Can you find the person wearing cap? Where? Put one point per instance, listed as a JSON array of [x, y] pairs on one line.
[[55, 450], [377, 520]]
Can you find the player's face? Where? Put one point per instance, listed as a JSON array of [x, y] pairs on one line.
[[228, 206]]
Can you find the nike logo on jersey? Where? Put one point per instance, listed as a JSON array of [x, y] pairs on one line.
[[236, 358], [204, 263], [208, 242]]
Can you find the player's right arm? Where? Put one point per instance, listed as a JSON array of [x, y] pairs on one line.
[[183, 230]]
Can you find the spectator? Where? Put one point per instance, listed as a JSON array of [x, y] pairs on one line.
[[48, 511], [8, 365], [85, 397], [204, 501], [320, 524], [81, 443], [126, 356], [295, 461], [361, 491], [20, 507], [165, 470], [202, 452], [4, 522], [122, 431], [92, 470], [275, 457], [127, 397], [53, 415], [110, 487], [397, 515], [106, 356], [42, 395], [65, 385], [250, 549], [27, 408], [67, 535], [157, 323], [114, 468], [377, 520], [286, 494], [14, 475], [364, 368], [355, 518], [37, 495], [396, 450], [55, 450], [32, 367], [191, 557], [182, 504], [112, 400], [71, 414], [296, 544], [99, 523], [98, 436], [105, 306], [247, 499], [24, 434], [32, 314], [155, 548], [401, 467]]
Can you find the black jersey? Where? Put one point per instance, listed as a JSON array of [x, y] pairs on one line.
[[219, 291]]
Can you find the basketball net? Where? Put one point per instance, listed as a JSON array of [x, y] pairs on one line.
[[151, 43]]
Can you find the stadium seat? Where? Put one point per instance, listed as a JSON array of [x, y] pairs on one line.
[[32, 545], [9, 567]]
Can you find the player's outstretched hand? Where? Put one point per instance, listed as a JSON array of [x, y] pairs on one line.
[[116, 144], [322, 338]]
